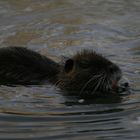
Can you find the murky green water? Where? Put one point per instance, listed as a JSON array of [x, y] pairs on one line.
[[62, 27]]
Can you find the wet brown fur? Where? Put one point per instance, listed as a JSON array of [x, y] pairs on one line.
[[80, 73]]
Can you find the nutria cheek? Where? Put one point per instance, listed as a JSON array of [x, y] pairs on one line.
[[114, 85]]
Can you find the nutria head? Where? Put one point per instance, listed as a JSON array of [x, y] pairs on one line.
[[89, 71]]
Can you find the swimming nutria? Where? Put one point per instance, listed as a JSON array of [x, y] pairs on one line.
[[85, 71]]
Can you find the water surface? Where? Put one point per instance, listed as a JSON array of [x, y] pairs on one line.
[[61, 28]]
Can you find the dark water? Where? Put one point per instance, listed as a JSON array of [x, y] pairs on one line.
[[62, 27]]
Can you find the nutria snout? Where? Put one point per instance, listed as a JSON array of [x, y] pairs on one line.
[[85, 71]]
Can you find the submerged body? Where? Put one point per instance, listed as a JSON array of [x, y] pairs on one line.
[[85, 71]]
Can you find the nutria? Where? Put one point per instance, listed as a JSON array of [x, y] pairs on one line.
[[85, 71]]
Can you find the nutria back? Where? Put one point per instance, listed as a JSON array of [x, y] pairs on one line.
[[19, 65]]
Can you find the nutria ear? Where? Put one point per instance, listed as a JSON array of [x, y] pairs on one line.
[[68, 65]]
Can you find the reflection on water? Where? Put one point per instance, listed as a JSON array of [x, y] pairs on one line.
[[63, 27], [21, 38]]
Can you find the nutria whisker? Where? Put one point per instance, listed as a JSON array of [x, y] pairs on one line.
[[88, 82], [96, 87], [57, 82], [108, 86], [103, 83], [98, 84]]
